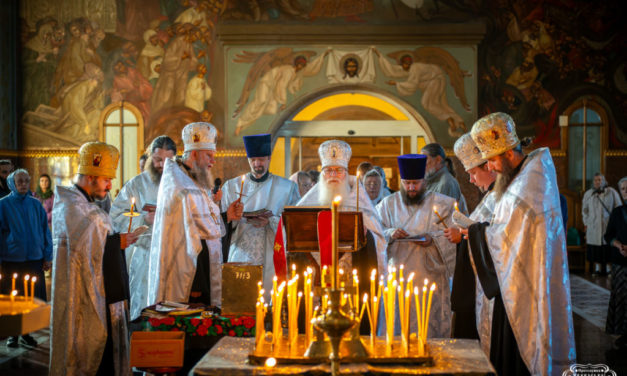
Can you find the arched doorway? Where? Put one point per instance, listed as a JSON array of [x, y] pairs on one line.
[[121, 125], [378, 126]]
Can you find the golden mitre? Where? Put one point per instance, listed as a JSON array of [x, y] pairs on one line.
[[334, 153], [467, 151], [98, 159], [494, 134]]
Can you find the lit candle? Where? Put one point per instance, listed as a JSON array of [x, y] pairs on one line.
[[429, 310], [293, 270], [323, 277], [435, 210], [456, 207], [363, 308], [258, 325], [335, 226], [13, 294], [356, 287], [130, 220], [32, 288], [259, 287], [357, 182], [418, 315], [241, 188], [13, 281], [423, 311], [26, 278]]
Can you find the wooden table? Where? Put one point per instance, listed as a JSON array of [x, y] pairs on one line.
[[451, 357]]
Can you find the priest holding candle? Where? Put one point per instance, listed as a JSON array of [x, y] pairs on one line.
[[89, 329], [25, 242], [143, 188], [263, 195], [416, 240]]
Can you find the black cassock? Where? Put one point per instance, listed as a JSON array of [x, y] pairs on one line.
[[504, 352], [115, 277], [463, 295]]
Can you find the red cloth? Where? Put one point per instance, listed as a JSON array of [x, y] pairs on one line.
[[280, 262], [325, 233]]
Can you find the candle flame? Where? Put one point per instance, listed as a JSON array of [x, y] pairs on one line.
[[426, 281], [270, 362], [456, 207], [26, 277], [300, 293], [406, 293], [435, 209], [293, 266], [411, 276], [433, 287], [133, 201], [14, 275], [415, 290], [243, 177], [337, 199], [365, 298], [14, 292], [34, 279]]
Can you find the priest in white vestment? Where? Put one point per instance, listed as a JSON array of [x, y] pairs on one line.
[[335, 180], [410, 212], [143, 188], [520, 256], [264, 196], [186, 249]]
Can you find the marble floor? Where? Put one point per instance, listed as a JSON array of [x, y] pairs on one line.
[[589, 298]]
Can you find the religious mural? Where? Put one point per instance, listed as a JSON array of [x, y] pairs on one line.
[[429, 78], [78, 56]]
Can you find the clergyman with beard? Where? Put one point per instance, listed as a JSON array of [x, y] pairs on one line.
[[335, 180], [186, 250], [144, 189], [520, 256], [409, 213]]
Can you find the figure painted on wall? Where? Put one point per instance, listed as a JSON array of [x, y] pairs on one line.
[[198, 91], [272, 75], [131, 86], [351, 67], [178, 61], [425, 69], [256, 10], [39, 61], [81, 103], [152, 50], [133, 16]]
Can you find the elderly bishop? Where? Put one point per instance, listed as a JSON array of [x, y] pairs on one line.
[[334, 181]]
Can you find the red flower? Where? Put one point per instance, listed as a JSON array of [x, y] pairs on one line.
[[175, 329], [232, 333], [207, 322], [236, 321], [154, 321], [195, 321], [202, 330], [168, 321], [218, 329], [249, 322]]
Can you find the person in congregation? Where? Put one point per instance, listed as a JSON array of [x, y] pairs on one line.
[[374, 186], [408, 213], [262, 193], [142, 162], [362, 168], [616, 237], [439, 176], [89, 328], [385, 188], [26, 243], [186, 249], [334, 180], [305, 182], [597, 205], [45, 195], [142, 188], [471, 309], [6, 167], [520, 256]]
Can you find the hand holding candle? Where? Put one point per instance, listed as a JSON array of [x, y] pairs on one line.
[[241, 188], [435, 210]]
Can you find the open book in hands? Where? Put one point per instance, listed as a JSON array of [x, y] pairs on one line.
[[413, 238], [261, 213], [461, 221]]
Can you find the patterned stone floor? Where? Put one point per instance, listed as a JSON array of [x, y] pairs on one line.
[[589, 297]]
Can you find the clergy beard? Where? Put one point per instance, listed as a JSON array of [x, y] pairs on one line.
[[201, 175], [328, 191], [155, 175], [412, 201], [503, 179]]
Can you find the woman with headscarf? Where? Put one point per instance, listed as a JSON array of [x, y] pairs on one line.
[[616, 237], [45, 195]]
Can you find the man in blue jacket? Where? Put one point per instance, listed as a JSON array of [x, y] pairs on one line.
[[25, 241]]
